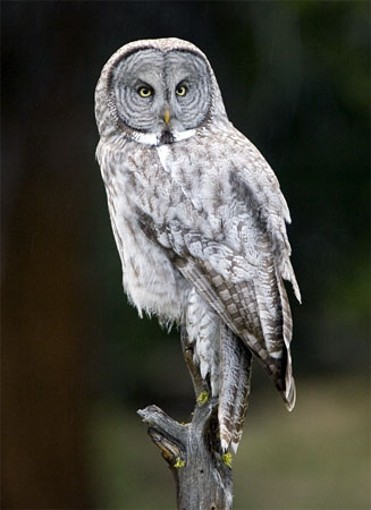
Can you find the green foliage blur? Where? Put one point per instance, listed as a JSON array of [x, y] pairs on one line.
[[295, 78]]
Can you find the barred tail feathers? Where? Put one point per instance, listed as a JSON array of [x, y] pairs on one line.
[[234, 387]]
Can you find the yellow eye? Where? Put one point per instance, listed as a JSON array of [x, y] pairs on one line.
[[145, 91], [181, 90]]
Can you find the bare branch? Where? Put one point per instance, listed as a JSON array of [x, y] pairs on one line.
[[202, 471]]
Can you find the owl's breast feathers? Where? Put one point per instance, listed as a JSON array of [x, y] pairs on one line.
[[214, 206]]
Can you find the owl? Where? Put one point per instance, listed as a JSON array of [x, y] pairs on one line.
[[198, 218]]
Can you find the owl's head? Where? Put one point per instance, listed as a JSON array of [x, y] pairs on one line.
[[157, 91]]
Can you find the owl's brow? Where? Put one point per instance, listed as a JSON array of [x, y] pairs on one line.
[[145, 73], [123, 57], [190, 71]]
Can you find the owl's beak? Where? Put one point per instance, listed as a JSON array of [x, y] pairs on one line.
[[166, 116]]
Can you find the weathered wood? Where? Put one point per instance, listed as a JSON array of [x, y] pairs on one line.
[[202, 471]]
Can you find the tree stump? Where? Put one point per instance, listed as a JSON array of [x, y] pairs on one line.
[[202, 471]]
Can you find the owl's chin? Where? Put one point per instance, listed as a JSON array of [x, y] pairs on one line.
[[166, 137]]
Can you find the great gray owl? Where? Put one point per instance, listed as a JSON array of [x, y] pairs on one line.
[[198, 218]]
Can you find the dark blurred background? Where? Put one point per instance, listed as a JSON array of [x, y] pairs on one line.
[[77, 362]]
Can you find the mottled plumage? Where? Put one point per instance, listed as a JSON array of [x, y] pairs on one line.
[[198, 218]]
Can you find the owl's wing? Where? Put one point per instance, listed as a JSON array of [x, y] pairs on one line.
[[239, 267], [256, 308]]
